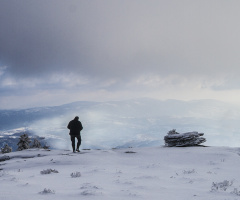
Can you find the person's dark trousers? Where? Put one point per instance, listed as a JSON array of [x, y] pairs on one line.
[[73, 141]]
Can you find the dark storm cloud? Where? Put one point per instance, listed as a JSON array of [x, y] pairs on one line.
[[35, 37], [119, 38]]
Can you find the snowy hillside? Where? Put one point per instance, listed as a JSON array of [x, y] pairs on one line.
[[137, 173], [130, 123]]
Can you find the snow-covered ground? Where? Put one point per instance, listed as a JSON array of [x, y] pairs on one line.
[[160, 173]]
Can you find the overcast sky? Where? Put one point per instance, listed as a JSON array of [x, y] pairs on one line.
[[59, 51]]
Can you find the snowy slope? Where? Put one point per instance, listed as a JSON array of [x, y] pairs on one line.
[[136, 173]]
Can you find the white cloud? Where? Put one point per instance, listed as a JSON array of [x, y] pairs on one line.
[[2, 70], [63, 88], [67, 80]]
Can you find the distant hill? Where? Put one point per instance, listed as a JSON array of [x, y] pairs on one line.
[[135, 122]]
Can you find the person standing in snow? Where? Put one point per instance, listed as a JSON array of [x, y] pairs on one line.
[[75, 126]]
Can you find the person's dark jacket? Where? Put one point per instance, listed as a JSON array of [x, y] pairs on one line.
[[75, 127]]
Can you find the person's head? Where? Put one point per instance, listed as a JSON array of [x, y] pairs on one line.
[[76, 118]]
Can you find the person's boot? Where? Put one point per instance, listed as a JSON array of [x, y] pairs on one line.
[[78, 145]]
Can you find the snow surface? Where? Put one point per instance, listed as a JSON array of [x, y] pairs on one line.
[[150, 173]]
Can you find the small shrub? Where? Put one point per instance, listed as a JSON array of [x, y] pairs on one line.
[[130, 152], [189, 171], [36, 144], [75, 174], [6, 149], [46, 146], [221, 186], [49, 171], [235, 191], [47, 191]]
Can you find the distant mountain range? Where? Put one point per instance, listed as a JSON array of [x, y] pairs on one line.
[[136, 122]]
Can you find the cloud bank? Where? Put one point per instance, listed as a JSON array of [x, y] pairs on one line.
[[109, 49]]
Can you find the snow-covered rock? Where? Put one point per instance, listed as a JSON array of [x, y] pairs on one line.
[[185, 139]]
